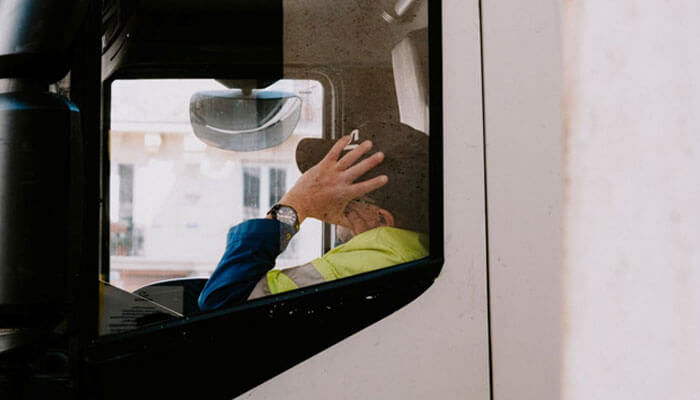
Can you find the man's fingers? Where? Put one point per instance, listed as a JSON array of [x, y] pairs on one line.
[[362, 188], [363, 166], [349, 159], [337, 148]]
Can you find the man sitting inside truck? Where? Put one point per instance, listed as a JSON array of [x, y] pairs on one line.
[[382, 218]]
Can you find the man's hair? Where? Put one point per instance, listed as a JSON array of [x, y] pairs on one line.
[[405, 162]]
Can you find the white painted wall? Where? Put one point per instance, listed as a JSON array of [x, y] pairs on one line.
[[437, 346], [632, 301]]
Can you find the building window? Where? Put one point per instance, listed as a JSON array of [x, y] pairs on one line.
[[126, 193], [278, 184], [251, 192], [126, 239]]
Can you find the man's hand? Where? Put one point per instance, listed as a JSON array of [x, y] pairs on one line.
[[325, 189]]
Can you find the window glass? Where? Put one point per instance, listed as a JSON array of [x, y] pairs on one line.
[[362, 71], [173, 198]]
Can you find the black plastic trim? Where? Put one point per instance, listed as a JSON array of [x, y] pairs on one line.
[[226, 352]]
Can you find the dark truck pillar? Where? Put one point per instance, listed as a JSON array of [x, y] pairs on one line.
[[41, 198]]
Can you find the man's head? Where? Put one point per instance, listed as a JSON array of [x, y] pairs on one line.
[[403, 201], [361, 217]]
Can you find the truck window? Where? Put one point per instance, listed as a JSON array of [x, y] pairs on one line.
[[362, 69]]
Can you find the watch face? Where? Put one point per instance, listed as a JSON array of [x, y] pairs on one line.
[[287, 215]]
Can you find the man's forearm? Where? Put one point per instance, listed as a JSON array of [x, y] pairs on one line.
[[251, 250]]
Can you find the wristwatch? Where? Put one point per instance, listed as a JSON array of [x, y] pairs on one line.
[[289, 222], [286, 215]]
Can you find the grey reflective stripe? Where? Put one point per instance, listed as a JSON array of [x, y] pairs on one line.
[[302, 275], [261, 289]]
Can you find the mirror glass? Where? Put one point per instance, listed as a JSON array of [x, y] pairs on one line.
[[238, 121]]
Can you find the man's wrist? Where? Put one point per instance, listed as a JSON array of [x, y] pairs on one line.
[[297, 205]]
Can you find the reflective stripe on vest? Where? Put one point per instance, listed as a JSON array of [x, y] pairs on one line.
[[278, 281], [377, 248]]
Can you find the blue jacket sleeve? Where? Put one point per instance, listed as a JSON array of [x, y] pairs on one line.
[[251, 250]]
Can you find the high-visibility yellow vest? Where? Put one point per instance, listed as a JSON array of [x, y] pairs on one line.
[[377, 248]]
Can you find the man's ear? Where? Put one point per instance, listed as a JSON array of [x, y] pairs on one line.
[[386, 218]]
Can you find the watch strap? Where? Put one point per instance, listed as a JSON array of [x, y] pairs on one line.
[[287, 230]]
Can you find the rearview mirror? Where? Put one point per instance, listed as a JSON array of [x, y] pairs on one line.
[[244, 121]]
